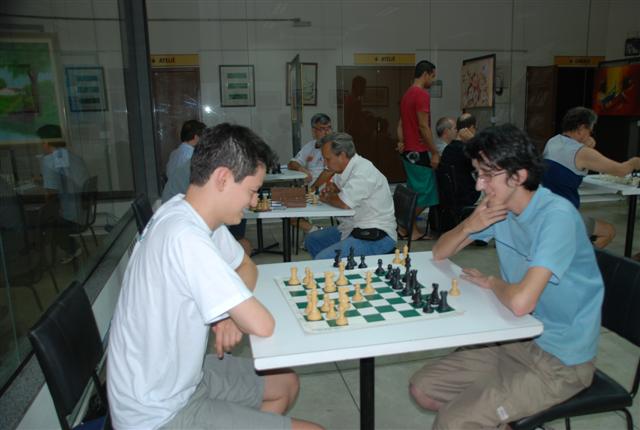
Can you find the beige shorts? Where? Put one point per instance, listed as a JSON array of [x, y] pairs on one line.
[[228, 397], [489, 386]]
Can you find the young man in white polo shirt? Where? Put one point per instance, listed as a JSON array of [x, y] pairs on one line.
[[185, 274], [357, 185]]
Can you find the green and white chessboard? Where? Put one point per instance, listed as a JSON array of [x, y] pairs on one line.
[[387, 306]]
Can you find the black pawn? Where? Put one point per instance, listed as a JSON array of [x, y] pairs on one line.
[[407, 265], [434, 300], [380, 270], [362, 264], [336, 260], [427, 309], [417, 299], [444, 306], [389, 271], [395, 280]]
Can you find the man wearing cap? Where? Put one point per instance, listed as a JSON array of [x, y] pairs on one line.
[[357, 185]]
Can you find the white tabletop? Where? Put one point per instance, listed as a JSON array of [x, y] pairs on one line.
[[625, 190], [484, 319], [320, 210], [286, 175]]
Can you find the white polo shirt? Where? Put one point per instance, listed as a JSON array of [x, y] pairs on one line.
[[311, 158], [180, 278], [365, 190]]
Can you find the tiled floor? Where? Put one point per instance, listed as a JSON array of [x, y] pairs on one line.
[[329, 392]]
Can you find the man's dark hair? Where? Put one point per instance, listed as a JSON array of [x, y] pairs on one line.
[[466, 120], [232, 146], [506, 147], [577, 116], [423, 66], [191, 129], [49, 131]]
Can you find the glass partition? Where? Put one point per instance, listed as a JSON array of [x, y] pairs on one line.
[[65, 164]]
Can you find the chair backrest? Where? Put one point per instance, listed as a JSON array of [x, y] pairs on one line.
[[68, 346], [447, 192], [621, 306], [404, 203], [142, 211], [90, 199]]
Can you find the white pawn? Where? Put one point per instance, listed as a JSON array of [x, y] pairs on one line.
[[293, 280], [455, 291]]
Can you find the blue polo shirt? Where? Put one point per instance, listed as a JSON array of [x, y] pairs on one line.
[[550, 233]]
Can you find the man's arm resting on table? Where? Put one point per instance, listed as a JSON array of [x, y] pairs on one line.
[[331, 197], [294, 165], [589, 158], [228, 334], [252, 317], [248, 272], [521, 297]]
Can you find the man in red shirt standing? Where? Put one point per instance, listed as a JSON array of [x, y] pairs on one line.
[[419, 153]]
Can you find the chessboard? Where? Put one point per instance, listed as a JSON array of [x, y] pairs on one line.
[[385, 305]]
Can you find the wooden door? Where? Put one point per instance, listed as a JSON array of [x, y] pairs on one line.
[[369, 109], [540, 104], [176, 99]]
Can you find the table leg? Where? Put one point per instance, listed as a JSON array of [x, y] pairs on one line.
[[367, 386], [261, 248], [631, 223], [286, 239]]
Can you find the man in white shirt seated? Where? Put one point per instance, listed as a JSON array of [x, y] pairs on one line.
[[189, 135], [187, 273], [309, 160], [357, 185]]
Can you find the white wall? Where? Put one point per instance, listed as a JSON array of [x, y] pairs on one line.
[[520, 32]]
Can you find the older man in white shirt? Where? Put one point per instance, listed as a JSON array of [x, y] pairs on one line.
[[357, 185]]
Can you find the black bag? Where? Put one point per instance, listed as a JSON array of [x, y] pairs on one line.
[[368, 233]]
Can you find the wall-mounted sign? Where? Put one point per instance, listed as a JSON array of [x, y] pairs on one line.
[[385, 58], [577, 60], [175, 60]]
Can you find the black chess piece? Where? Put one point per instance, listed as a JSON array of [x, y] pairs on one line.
[[336, 260], [351, 263], [389, 271], [444, 306], [434, 299], [417, 299], [395, 280], [380, 270], [427, 309], [362, 264], [407, 265]]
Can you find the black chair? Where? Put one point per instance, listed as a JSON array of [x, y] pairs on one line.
[[404, 203], [69, 349], [142, 211], [621, 315], [450, 211], [88, 205], [31, 252]]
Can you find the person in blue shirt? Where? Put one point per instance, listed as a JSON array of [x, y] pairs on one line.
[[190, 136], [547, 268]]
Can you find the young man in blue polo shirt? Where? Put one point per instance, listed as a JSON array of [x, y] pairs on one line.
[[548, 268]]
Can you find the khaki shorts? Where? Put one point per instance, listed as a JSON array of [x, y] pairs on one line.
[[492, 385], [228, 397]]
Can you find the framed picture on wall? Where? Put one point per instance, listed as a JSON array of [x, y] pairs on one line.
[[477, 82], [29, 87], [237, 86], [309, 84], [86, 89]]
